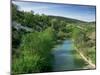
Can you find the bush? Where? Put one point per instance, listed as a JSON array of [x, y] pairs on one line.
[[35, 53]]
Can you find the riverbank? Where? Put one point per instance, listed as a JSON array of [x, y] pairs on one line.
[[87, 62]]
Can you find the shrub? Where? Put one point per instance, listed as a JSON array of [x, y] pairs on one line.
[[35, 53]]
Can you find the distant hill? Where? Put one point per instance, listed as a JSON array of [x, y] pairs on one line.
[[94, 22], [69, 20]]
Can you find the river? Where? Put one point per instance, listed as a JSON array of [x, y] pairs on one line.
[[63, 57]]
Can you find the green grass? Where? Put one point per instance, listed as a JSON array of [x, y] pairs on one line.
[[84, 39], [35, 53], [90, 54], [79, 62]]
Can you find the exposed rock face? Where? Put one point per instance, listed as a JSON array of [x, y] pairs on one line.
[[18, 26]]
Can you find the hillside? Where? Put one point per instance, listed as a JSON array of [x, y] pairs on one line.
[[68, 20]]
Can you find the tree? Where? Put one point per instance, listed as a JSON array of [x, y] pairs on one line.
[[14, 12]]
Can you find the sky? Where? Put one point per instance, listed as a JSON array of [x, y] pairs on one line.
[[80, 12]]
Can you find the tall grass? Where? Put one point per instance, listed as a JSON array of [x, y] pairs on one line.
[[35, 52], [84, 40]]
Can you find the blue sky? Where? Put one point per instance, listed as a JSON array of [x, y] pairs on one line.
[[85, 13]]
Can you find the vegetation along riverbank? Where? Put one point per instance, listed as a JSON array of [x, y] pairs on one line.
[[34, 37]]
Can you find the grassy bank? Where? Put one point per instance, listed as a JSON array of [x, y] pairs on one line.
[[35, 53], [78, 60], [81, 59], [84, 41]]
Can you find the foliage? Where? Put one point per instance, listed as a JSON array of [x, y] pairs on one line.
[[84, 40], [32, 50], [35, 52]]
